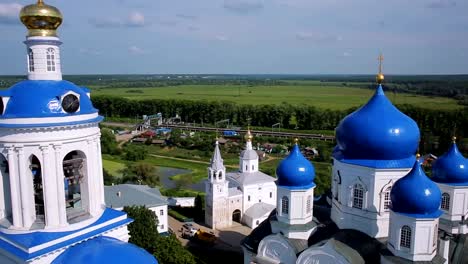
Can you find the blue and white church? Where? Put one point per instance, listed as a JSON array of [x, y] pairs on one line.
[[52, 207], [382, 207]]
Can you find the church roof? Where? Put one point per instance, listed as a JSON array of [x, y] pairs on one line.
[[259, 209], [249, 154], [451, 168], [415, 195], [377, 131], [104, 250], [295, 171], [118, 196], [216, 162], [46, 97], [248, 178]]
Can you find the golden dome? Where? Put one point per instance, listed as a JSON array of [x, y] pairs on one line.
[[380, 78], [41, 19], [248, 136]]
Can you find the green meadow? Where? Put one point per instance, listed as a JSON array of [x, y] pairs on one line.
[[325, 96]]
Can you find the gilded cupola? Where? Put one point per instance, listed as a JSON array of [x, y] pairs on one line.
[[41, 19]]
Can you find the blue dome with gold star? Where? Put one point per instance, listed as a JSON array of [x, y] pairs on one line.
[[377, 131], [415, 195], [451, 168], [295, 171]]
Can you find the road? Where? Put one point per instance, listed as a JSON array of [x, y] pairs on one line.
[[227, 239]]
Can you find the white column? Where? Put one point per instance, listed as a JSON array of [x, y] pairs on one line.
[[100, 176], [50, 190], [14, 188], [59, 178], [27, 190], [91, 180]]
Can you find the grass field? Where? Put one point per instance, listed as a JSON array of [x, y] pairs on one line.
[[327, 96], [113, 167]]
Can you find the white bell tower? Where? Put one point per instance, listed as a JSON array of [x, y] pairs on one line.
[[216, 188]]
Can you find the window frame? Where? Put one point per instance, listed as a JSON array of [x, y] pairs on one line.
[[405, 237]]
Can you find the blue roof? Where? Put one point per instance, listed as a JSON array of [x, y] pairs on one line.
[[415, 195], [373, 163], [451, 168], [295, 171], [104, 250], [36, 99], [377, 131], [29, 240]]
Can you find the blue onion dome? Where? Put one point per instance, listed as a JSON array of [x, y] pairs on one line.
[[295, 171], [35, 99], [416, 195], [451, 168], [105, 250], [377, 131]]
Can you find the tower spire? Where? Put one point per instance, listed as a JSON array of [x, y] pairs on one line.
[[380, 76]]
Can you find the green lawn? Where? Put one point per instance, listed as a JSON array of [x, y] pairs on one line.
[[113, 167], [324, 96]]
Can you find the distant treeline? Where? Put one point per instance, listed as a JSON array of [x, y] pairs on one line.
[[437, 127]]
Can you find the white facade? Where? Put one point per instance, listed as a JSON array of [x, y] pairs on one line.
[[43, 58], [361, 196], [411, 238], [247, 196], [50, 147], [455, 208]]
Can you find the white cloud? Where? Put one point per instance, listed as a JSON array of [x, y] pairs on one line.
[[90, 51], [221, 38], [441, 4], [347, 54], [134, 19], [9, 13], [243, 6], [318, 37], [136, 50]]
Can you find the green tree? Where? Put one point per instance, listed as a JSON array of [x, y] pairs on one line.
[[143, 230], [141, 172], [143, 233], [108, 143], [135, 153]]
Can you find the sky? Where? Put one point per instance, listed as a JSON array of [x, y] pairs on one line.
[[249, 36]]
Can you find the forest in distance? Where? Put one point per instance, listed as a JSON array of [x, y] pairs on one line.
[[437, 125]]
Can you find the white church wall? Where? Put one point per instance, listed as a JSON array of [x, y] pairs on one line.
[[373, 218], [423, 242], [256, 193], [458, 206]]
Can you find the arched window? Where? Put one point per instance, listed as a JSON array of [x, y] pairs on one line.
[[246, 167], [405, 237], [309, 204], [31, 60], [445, 205], [386, 199], [36, 172], [50, 60], [252, 167], [220, 175], [285, 205], [337, 185], [5, 200], [358, 196], [74, 170]]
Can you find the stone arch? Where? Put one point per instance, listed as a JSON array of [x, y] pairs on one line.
[[5, 195], [75, 175], [36, 171], [236, 216]]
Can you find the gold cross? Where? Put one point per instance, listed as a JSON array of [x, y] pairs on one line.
[[381, 59]]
